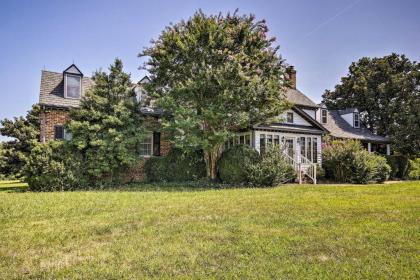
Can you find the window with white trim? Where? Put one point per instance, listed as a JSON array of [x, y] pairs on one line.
[[72, 86], [146, 146], [356, 120], [289, 117], [324, 116]]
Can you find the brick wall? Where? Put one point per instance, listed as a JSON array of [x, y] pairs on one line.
[[165, 145], [49, 119], [53, 117]]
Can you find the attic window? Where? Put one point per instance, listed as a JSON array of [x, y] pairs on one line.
[[324, 116], [290, 117], [356, 120], [72, 86]]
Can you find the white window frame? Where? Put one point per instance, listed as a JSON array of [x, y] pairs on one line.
[[238, 138], [358, 120], [151, 146], [322, 116], [287, 117], [65, 86], [67, 135]]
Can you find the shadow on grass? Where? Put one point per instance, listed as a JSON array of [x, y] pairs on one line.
[[170, 187], [13, 186]]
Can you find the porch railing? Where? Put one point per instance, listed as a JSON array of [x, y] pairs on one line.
[[303, 166], [308, 168]]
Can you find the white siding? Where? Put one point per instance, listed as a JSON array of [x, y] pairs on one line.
[[310, 113], [318, 115], [297, 119]]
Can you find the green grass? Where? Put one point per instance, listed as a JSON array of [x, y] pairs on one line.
[[290, 232], [12, 186]]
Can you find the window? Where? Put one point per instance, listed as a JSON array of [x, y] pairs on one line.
[[262, 143], [356, 120], [315, 148], [309, 149], [290, 147], [269, 140], [58, 132], [276, 140], [72, 86], [248, 140], [324, 116], [303, 146], [146, 146], [156, 143], [290, 117]]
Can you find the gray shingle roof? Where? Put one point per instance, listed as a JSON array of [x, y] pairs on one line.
[[52, 90], [339, 128], [347, 111], [296, 97]]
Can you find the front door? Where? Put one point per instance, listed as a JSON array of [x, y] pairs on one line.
[[289, 146]]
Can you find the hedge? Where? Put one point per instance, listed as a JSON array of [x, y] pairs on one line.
[[176, 167]]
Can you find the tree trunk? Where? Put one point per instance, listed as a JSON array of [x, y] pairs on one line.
[[211, 157]]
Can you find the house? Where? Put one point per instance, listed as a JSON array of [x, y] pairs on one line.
[[346, 124], [299, 130], [62, 91]]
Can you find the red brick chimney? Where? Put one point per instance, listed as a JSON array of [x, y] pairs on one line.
[[291, 72]]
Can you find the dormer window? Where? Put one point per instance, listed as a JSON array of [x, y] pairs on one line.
[[72, 86], [72, 82], [356, 120], [324, 116]]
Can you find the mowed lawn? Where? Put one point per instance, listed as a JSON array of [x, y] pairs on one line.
[[289, 232]]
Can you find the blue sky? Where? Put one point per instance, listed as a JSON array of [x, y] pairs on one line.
[[321, 38]]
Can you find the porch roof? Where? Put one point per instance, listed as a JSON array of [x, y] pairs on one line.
[[289, 128]]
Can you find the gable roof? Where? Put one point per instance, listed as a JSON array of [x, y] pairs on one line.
[[296, 97], [309, 119], [340, 128], [52, 90], [72, 69]]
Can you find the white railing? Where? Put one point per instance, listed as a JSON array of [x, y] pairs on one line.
[[308, 168], [303, 166]]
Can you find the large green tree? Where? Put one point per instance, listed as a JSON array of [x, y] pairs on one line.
[[108, 128], [213, 76], [23, 133], [387, 92]]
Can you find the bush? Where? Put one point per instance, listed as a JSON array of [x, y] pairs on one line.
[[399, 166], [176, 167], [414, 173], [382, 170], [271, 169], [234, 162], [346, 161], [50, 167], [320, 172]]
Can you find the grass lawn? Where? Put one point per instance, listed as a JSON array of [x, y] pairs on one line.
[[292, 232]]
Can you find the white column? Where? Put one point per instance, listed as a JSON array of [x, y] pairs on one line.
[[388, 149], [257, 141], [297, 149], [369, 148]]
